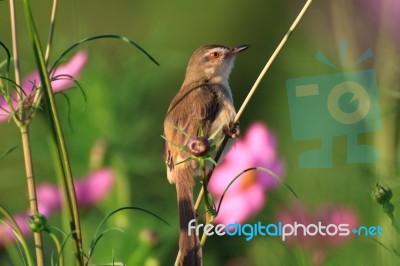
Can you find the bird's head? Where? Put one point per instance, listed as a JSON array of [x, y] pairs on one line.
[[212, 63]]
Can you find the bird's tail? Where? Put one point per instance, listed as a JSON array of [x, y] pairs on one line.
[[189, 244]]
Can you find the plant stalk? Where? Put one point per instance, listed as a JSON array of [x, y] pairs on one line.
[[17, 75], [208, 208], [63, 157], [51, 31], [250, 94], [33, 204], [272, 58], [14, 42], [23, 125]]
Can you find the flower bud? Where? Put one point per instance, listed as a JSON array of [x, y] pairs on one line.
[[382, 194], [37, 222], [199, 146]]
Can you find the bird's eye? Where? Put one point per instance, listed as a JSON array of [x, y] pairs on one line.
[[215, 55]]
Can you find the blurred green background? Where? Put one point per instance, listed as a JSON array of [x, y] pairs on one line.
[[127, 97]]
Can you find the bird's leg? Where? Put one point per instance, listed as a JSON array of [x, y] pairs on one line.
[[232, 130]]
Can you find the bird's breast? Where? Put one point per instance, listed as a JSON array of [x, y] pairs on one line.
[[225, 116]]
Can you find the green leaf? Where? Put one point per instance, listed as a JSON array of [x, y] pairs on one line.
[[97, 235], [7, 152], [97, 37], [13, 226], [278, 178], [8, 59]]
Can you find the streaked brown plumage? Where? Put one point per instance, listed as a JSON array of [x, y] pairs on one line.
[[205, 100]]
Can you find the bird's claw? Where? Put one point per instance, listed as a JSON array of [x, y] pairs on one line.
[[232, 130]]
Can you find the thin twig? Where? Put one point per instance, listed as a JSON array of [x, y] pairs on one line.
[[17, 72], [51, 31], [14, 42], [39, 93], [203, 193], [253, 89], [60, 260], [16, 230], [272, 58]]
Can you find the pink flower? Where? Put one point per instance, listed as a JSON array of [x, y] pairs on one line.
[[72, 68], [246, 196], [327, 214], [49, 198], [60, 81], [94, 187], [89, 191]]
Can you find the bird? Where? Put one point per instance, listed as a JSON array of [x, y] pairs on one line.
[[204, 104]]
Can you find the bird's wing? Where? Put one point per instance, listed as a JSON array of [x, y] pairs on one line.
[[194, 107]]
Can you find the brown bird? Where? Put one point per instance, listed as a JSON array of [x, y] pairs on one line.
[[204, 101]]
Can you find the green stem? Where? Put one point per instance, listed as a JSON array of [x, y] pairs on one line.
[[60, 260], [51, 109], [206, 194], [14, 42], [202, 193], [209, 209], [16, 57], [51, 31], [395, 224], [38, 93], [18, 234], [33, 204], [20, 111]]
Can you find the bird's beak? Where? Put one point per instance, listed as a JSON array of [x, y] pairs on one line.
[[238, 49]]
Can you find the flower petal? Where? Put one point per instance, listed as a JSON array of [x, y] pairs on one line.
[[225, 172], [4, 110], [94, 187], [49, 198], [261, 142], [246, 196], [267, 180], [238, 207], [72, 68]]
